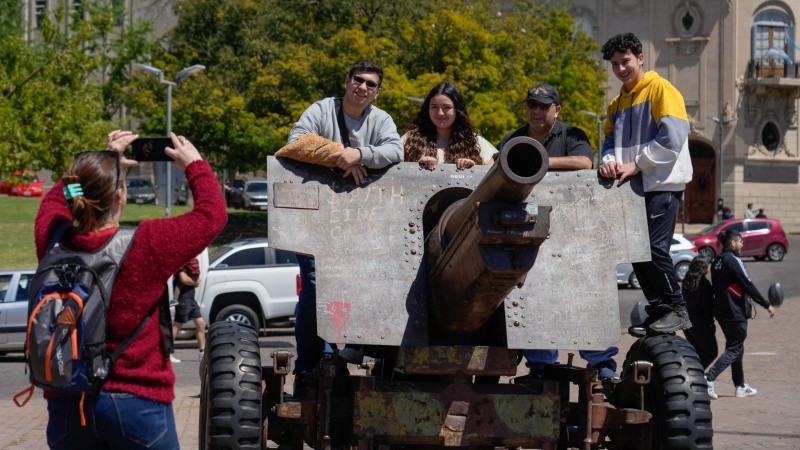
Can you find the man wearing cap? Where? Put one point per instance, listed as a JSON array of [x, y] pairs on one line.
[[567, 146]]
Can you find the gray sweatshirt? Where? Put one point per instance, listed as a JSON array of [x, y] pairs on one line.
[[375, 133]]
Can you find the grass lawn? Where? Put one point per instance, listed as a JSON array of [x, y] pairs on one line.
[[18, 213]]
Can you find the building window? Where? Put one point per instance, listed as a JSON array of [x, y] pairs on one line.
[[40, 12], [687, 20], [773, 39], [771, 136]]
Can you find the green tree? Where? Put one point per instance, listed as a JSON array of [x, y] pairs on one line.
[[269, 60], [10, 18], [52, 98]]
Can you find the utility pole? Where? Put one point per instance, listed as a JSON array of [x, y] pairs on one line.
[[182, 75]]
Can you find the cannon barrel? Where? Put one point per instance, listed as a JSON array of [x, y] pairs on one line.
[[522, 164], [484, 245]]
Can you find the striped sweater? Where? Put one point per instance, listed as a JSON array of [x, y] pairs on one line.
[[649, 126]]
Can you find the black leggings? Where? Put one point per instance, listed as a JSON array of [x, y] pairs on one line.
[[704, 340]]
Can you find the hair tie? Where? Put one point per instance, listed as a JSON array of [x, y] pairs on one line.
[[73, 190]]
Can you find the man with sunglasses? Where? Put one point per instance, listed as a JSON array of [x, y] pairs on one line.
[[370, 140], [567, 146]]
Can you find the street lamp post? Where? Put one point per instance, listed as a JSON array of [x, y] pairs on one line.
[[721, 123], [600, 120], [182, 75]]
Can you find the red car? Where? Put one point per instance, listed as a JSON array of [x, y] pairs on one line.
[[763, 238], [24, 184]]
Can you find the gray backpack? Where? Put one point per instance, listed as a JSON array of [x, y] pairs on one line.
[[67, 308]]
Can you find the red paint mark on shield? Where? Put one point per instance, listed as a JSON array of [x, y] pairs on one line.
[[341, 316]]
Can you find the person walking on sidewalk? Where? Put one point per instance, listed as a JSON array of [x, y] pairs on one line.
[[647, 143], [699, 295], [749, 213], [186, 280], [733, 290]]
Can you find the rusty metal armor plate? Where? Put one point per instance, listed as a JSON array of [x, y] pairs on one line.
[[368, 242]]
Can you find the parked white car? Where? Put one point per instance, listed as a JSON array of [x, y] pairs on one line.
[[250, 282], [14, 285], [682, 252]]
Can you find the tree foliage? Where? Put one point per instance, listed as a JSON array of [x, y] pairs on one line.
[[267, 60], [59, 90]]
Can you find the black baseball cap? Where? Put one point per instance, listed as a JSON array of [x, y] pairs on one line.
[[543, 93]]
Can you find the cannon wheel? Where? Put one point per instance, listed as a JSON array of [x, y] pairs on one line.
[[230, 390], [676, 396]]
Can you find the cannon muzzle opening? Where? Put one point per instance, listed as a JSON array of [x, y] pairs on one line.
[[524, 160]]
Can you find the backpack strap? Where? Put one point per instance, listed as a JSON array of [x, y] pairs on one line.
[[166, 324], [58, 235], [340, 121], [128, 340]]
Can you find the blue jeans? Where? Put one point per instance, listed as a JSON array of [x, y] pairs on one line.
[[114, 420], [597, 359], [310, 347]]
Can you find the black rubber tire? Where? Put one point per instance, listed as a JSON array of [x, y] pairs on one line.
[[677, 396], [240, 314], [776, 252], [230, 390]]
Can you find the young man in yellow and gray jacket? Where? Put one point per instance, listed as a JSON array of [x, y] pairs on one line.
[[646, 143]]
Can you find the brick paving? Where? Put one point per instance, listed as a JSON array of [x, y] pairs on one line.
[[769, 420]]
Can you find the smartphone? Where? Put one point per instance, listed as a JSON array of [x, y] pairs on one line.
[[150, 149]]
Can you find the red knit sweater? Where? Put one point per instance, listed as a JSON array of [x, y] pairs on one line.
[[160, 248]]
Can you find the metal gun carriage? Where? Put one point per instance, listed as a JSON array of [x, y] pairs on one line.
[[444, 277]]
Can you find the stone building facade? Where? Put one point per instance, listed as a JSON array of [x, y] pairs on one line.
[[736, 64]]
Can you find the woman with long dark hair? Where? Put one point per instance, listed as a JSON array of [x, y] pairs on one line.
[[442, 132], [699, 295]]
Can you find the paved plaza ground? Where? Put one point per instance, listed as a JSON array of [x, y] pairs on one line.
[[769, 420]]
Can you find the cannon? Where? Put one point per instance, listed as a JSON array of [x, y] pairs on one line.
[[441, 278]]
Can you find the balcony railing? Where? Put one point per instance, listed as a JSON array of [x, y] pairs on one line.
[[774, 68]]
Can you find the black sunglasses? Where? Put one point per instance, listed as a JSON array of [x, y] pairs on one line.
[[107, 153], [359, 81]]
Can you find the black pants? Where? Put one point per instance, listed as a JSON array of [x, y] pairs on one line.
[[657, 276], [704, 340], [735, 333]]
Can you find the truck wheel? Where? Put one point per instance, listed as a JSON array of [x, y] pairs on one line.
[[240, 314], [676, 396], [230, 389]]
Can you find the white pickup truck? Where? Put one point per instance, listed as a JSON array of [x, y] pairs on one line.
[[247, 281]]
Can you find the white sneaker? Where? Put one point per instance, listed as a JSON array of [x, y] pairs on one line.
[[711, 392], [174, 359], [745, 391]]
